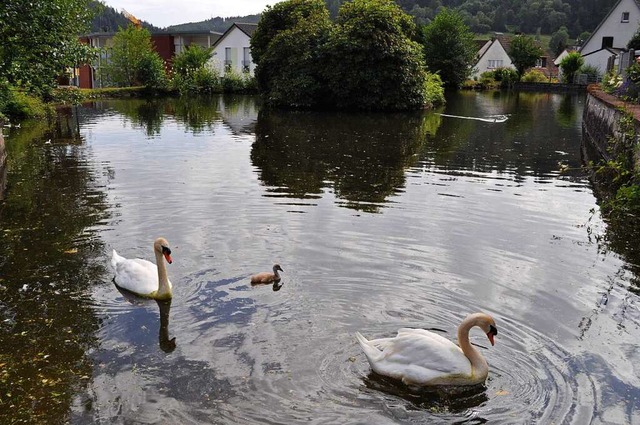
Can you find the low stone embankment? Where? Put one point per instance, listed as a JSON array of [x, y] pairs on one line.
[[601, 123]]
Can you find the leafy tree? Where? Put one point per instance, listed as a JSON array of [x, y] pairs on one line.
[[131, 51], [524, 52], [191, 59], [368, 59], [191, 73], [286, 48], [569, 65], [582, 38], [40, 41], [151, 72], [283, 16], [372, 60], [449, 48], [559, 40]]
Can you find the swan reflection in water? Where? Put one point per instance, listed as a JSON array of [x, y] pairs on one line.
[[457, 399], [166, 344]]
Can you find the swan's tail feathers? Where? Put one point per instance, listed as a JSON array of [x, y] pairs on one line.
[[115, 259], [372, 353]]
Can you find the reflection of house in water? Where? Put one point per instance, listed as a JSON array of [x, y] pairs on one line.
[[239, 113]]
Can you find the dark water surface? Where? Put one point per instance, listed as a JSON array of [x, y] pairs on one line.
[[380, 221]]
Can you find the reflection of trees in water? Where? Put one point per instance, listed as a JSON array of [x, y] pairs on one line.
[[566, 114], [147, 114], [526, 144], [364, 156], [50, 258], [197, 114]]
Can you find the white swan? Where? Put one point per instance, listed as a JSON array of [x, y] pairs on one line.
[[266, 277], [142, 277], [421, 357]]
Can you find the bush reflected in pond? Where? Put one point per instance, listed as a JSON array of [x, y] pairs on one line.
[[362, 157], [51, 258]]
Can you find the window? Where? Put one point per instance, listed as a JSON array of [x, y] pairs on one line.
[[607, 42], [227, 58], [246, 59], [541, 62], [625, 17], [495, 63]]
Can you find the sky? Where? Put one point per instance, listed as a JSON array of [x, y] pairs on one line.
[[163, 13]]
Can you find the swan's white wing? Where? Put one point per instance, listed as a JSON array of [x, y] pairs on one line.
[[419, 357], [136, 275]]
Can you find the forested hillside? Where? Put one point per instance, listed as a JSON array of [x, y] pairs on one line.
[[107, 19], [217, 24], [528, 16]]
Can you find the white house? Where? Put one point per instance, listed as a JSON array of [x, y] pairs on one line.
[[492, 55], [612, 34], [232, 51]]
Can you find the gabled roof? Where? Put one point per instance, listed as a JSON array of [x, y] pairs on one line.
[[637, 3], [248, 29], [612, 50], [505, 41], [482, 46], [487, 46]]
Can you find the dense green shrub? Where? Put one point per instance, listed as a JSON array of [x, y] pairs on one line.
[[534, 76], [434, 90], [368, 59], [206, 80], [20, 104], [372, 61], [151, 73], [232, 82], [191, 59], [67, 95], [506, 76], [289, 68]]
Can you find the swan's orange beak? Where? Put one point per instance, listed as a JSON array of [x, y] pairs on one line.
[[167, 257], [493, 331]]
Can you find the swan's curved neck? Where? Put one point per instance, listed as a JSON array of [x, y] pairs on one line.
[[275, 272], [479, 365], [163, 280]]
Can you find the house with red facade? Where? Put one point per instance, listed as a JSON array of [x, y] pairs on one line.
[[167, 44]]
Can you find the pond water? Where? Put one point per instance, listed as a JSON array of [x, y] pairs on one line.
[[380, 221]]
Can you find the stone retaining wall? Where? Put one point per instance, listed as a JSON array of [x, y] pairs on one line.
[[600, 122], [550, 87]]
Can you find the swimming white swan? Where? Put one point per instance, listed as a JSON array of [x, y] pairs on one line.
[[266, 277], [142, 277], [421, 357]]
